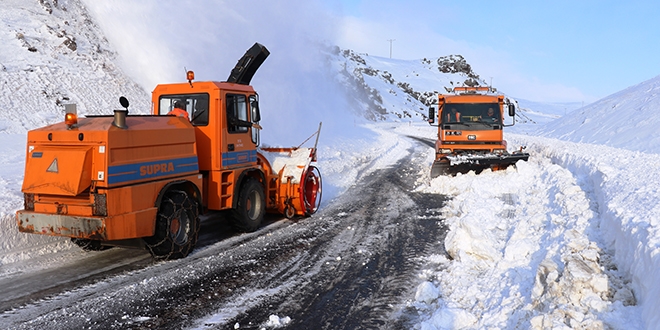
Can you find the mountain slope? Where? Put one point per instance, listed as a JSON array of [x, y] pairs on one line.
[[608, 121], [378, 84], [53, 54]]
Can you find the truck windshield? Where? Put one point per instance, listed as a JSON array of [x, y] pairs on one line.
[[197, 106], [471, 113]]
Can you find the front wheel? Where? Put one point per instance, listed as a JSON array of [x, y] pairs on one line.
[[250, 208], [177, 226]]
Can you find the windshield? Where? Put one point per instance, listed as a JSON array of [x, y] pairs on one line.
[[196, 105], [471, 113]]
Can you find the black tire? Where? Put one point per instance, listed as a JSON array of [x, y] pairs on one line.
[[177, 226], [89, 244], [250, 207]]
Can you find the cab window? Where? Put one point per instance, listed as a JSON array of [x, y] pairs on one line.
[[197, 106], [237, 113]]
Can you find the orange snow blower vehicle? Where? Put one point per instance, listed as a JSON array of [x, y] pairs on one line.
[[143, 180], [470, 137]]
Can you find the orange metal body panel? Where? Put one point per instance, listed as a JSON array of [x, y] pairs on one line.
[[70, 168], [131, 212], [284, 194], [149, 143], [223, 155], [214, 136], [100, 181], [107, 180], [220, 192], [494, 137]]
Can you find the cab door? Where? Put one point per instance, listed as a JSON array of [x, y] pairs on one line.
[[239, 149]]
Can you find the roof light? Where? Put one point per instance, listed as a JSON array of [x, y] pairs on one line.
[[190, 76], [70, 116]]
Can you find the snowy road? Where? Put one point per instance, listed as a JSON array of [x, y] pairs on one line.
[[524, 248], [349, 266]]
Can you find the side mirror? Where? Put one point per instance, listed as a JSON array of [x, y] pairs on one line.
[[431, 114], [256, 115], [512, 110]]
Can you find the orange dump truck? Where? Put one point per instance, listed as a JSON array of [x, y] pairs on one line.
[[470, 136], [143, 180]]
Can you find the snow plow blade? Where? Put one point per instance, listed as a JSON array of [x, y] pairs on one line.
[[453, 164]]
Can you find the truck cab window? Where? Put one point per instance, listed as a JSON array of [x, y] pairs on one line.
[[237, 113], [467, 113], [200, 115], [197, 106]]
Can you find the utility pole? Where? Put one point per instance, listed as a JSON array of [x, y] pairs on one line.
[[391, 40]]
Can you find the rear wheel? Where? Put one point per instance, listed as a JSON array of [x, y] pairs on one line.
[[311, 190], [177, 226], [250, 208]]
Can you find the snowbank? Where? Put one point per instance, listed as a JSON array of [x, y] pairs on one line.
[[625, 187], [566, 240]]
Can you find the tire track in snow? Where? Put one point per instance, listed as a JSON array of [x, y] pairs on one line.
[[360, 268]]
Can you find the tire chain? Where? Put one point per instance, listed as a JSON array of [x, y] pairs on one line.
[[167, 220]]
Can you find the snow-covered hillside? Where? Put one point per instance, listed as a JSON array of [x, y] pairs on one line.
[[53, 53], [531, 115], [626, 119], [379, 85]]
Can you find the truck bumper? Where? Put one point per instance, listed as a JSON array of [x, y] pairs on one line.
[[124, 226]]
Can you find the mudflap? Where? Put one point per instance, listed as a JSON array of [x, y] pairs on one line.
[[453, 165]]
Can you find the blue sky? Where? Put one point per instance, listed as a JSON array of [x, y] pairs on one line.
[[577, 51]]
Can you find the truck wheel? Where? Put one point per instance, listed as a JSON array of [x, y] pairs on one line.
[[250, 208], [89, 244], [177, 226]]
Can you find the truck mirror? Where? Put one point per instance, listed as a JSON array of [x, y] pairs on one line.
[[256, 115], [431, 114], [512, 110]]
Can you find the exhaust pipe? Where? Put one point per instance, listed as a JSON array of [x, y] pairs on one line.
[[120, 119], [120, 115]]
